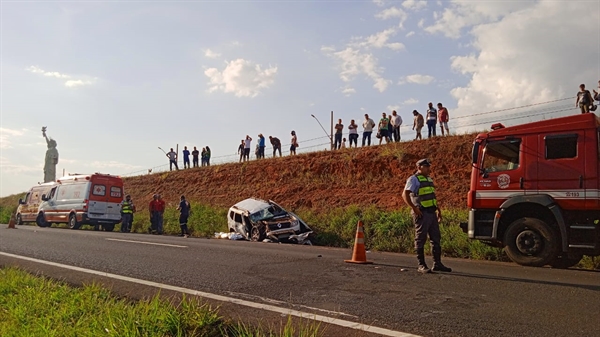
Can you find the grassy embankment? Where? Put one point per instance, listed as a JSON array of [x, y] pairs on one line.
[[36, 306]]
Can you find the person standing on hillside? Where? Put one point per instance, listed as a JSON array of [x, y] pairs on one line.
[[418, 123], [419, 194], [339, 128], [160, 210], [368, 125], [443, 118], [584, 99], [195, 155], [172, 155], [208, 154], [294, 143], [431, 120], [241, 150], [186, 157], [353, 133], [384, 129], [127, 209], [261, 146], [247, 147], [396, 122], [596, 94], [184, 213], [276, 143]]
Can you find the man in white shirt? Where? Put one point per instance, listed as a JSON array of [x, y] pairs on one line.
[[396, 122], [172, 155], [247, 147], [368, 125]]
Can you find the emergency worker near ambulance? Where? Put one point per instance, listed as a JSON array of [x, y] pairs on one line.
[[419, 194], [127, 209]]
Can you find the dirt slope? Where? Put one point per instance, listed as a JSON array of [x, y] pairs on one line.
[[321, 180]]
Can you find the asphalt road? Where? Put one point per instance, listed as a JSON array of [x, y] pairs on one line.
[[477, 299]]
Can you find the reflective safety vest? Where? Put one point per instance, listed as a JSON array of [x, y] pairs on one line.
[[127, 207], [426, 195]]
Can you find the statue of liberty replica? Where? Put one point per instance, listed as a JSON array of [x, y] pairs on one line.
[[51, 158]]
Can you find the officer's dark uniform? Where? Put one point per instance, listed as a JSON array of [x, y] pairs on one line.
[[427, 224]]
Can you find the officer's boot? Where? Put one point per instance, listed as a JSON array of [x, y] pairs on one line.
[[437, 260], [422, 265]]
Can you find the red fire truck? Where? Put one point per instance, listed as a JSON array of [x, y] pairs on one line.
[[534, 190]]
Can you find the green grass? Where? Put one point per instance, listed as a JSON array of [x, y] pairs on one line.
[[8, 206], [36, 306]]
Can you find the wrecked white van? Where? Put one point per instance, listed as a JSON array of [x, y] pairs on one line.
[[257, 220]]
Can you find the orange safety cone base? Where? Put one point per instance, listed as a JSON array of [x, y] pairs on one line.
[[359, 262], [12, 221]]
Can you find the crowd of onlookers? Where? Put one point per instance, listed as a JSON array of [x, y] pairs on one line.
[[204, 156], [388, 128]]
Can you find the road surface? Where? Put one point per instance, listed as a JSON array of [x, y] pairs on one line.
[[478, 298]]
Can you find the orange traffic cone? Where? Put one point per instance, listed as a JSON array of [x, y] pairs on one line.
[[12, 221], [359, 255]]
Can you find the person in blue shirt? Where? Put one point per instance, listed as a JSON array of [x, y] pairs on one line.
[[261, 146], [186, 157], [184, 213]]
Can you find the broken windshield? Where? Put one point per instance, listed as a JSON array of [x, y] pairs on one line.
[[265, 214]]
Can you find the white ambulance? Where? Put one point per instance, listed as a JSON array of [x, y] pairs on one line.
[[81, 199]]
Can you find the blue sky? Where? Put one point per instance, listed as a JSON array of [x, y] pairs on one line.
[[113, 81]]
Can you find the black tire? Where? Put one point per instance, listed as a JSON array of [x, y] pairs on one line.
[[19, 219], [257, 233], [531, 242], [73, 224], [41, 221], [566, 261], [109, 227]]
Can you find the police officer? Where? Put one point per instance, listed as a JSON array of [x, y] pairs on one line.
[[419, 194], [127, 209]]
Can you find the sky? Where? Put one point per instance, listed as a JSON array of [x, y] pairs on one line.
[[114, 80]]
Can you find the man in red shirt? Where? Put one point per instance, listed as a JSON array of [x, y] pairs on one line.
[[443, 118], [160, 210], [153, 207]]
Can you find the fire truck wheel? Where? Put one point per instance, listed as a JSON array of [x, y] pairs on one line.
[[566, 261], [73, 224], [530, 242]]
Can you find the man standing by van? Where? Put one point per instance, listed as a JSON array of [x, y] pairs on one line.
[[127, 209]]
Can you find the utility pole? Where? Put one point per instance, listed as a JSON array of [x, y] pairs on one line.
[[331, 137]]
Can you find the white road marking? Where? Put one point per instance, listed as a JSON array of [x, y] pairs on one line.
[[148, 243], [267, 307]]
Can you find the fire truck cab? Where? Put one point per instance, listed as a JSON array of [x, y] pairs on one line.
[[535, 190]]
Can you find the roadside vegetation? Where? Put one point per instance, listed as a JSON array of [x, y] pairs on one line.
[[36, 306]]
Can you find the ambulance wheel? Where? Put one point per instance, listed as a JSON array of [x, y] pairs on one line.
[[19, 219], [566, 261], [73, 224], [531, 242], [109, 227], [41, 221]]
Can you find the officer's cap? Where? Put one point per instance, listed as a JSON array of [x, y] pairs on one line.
[[127, 196], [423, 162]]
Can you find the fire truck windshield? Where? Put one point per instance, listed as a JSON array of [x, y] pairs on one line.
[[501, 156]]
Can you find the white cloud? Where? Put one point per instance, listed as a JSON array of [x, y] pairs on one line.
[[348, 91], [417, 79], [377, 41], [77, 83], [414, 4], [421, 23], [465, 14], [395, 46], [379, 3], [393, 107], [240, 77], [72, 83], [8, 167], [409, 34], [410, 101], [353, 62], [548, 60], [211, 54], [7, 135], [393, 12]]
